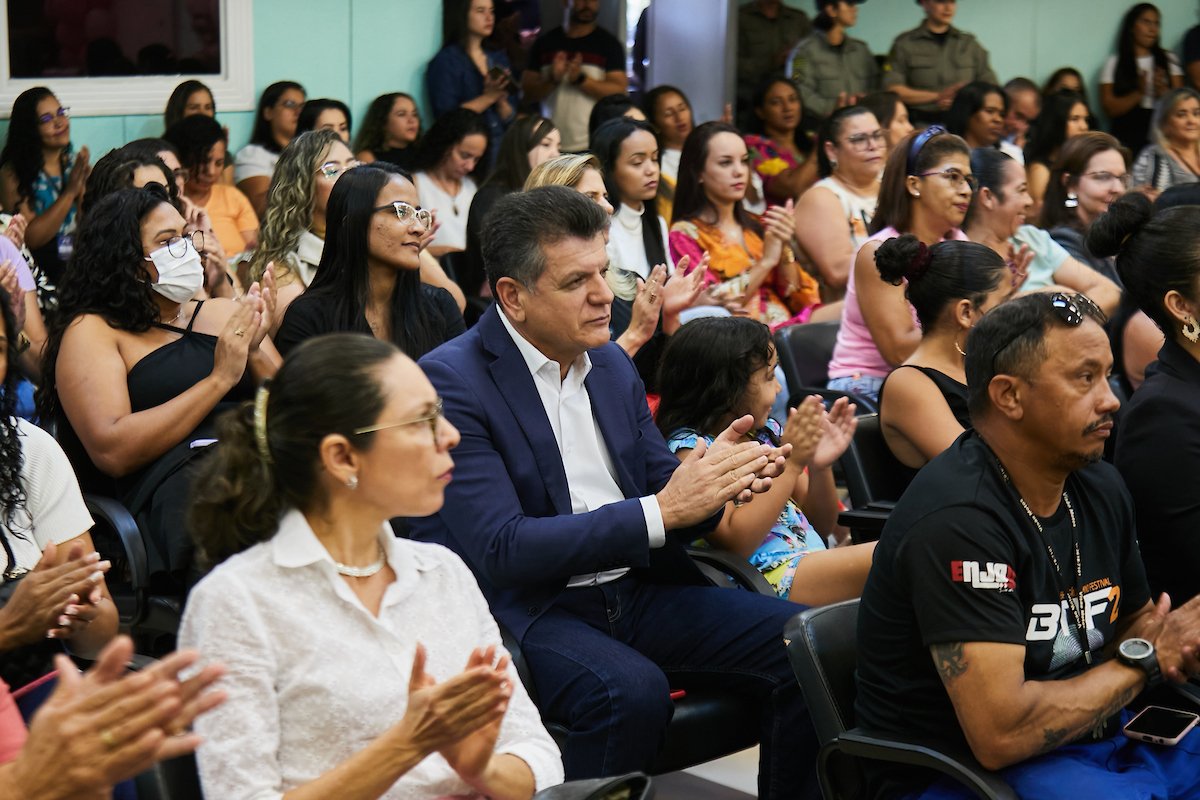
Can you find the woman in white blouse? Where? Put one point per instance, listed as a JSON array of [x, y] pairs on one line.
[[446, 158], [360, 665]]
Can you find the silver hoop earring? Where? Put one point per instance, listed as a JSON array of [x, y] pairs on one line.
[[959, 349], [1072, 201], [352, 482]]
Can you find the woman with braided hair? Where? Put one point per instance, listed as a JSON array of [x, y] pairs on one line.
[[391, 682], [950, 286]]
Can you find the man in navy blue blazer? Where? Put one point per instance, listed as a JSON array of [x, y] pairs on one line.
[[573, 514]]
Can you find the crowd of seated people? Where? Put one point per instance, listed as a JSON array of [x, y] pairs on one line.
[[536, 335]]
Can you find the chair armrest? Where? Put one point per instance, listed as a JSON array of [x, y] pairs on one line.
[[634, 786], [954, 762], [518, 660], [117, 517], [881, 505], [739, 570], [865, 524]]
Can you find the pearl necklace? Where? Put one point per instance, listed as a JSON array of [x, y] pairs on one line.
[[362, 572]]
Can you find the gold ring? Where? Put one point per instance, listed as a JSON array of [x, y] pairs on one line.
[[239, 332], [109, 740]]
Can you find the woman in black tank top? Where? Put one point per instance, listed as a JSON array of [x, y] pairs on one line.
[[135, 371], [923, 403]]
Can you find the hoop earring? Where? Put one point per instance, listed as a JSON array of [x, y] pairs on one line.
[[1190, 331], [1072, 201], [959, 349]]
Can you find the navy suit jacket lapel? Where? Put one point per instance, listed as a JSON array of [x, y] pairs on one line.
[[512, 378]]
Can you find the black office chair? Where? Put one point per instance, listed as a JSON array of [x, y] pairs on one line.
[[152, 619], [804, 352], [874, 478], [823, 650]]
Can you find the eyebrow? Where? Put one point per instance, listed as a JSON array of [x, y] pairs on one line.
[[171, 231]]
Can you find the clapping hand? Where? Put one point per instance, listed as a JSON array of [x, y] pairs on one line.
[[803, 430], [470, 755], [440, 716], [837, 426], [683, 288], [1019, 266], [15, 231], [16, 295], [62, 578]]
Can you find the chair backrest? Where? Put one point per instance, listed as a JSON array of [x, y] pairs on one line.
[[804, 352], [823, 650], [871, 472]]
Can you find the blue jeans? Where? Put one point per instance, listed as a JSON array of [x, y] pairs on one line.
[[604, 660], [865, 385], [1116, 767]]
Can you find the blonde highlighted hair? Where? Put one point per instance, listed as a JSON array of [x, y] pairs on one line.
[[562, 171]]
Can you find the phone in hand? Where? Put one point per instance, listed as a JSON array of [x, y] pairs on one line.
[[1161, 725], [499, 74]]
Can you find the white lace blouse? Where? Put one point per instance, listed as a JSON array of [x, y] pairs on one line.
[[313, 677]]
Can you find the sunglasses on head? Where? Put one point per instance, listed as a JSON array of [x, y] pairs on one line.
[[1071, 309]]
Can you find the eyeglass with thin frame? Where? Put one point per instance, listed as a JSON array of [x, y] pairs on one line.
[[180, 175], [863, 141], [291, 105], [954, 177], [1072, 309], [177, 245], [63, 112], [1108, 177], [331, 170], [407, 213], [431, 418]]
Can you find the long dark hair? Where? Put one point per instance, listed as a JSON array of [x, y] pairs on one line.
[[606, 145], [107, 277], [690, 200], [940, 275], [512, 159], [450, 129], [800, 138], [177, 102], [261, 135], [1125, 79], [22, 151], [705, 370], [987, 165], [342, 277], [329, 384], [454, 23], [895, 203], [12, 457], [830, 130], [1049, 131], [115, 171], [374, 124]]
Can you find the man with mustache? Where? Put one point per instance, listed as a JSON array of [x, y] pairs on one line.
[[1007, 608]]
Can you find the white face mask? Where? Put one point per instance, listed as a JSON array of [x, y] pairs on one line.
[[179, 277]]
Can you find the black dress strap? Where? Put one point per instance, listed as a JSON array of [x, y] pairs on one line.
[[178, 329], [196, 313]]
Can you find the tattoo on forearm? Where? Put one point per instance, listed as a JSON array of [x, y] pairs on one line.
[[1054, 737], [949, 660]]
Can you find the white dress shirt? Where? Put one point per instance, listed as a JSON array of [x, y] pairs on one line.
[[313, 677], [591, 478]]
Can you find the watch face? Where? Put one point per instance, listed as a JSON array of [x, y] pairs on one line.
[[1136, 648]]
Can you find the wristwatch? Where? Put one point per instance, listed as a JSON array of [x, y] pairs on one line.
[[1140, 653]]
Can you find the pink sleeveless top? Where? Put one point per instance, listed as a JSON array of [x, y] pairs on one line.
[[855, 352]]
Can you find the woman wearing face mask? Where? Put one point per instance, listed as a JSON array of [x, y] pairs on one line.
[[999, 208], [1091, 172], [649, 295], [923, 402], [369, 278], [531, 140], [448, 155], [135, 369], [832, 217], [926, 191], [201, 144]]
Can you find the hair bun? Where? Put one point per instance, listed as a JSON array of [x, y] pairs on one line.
[[1112, 230], [905, 257]]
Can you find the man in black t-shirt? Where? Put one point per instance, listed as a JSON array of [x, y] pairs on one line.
[[1007, 589], [570, 69]]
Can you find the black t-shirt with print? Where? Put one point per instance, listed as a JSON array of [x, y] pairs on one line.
[[961, 561]]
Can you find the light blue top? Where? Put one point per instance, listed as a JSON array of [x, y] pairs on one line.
[[1048, 256]]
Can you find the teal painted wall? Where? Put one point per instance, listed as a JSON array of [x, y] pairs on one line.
[[352, 50], [355, 50]]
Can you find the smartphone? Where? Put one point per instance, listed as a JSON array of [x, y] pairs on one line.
[[1161, 725], [498, 74]]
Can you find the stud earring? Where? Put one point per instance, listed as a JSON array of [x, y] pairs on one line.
[[1190, 331], [352, 482], [916, 194], [1072, 201], [833, 164]]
